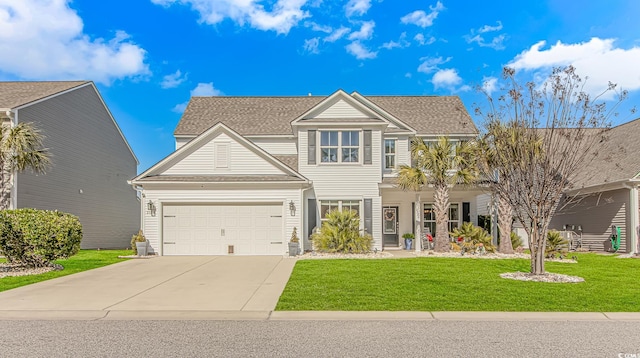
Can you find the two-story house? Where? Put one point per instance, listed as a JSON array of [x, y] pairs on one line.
[[91, 159], [248, 170]]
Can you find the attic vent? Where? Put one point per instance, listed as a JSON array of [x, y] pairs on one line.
[[221, 155]]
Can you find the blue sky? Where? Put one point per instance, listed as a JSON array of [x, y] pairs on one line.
[[148, 57]]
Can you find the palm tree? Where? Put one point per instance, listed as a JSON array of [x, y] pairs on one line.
[[20, 149], [442, 165]]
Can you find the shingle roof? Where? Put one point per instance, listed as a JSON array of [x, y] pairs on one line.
[[616, 159], [273, 115], [15, 94]]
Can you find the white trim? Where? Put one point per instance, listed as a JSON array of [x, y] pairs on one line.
[[333, 98], [388, 116], [52, 95], [203, 139], [633, 220]]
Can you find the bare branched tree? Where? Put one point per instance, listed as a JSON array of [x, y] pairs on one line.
[[540, 136]]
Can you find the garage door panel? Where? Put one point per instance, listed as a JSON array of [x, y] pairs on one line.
[[210, 229]]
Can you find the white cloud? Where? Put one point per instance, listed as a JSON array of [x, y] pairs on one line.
[[420, 39], [359, 51], [447, 78], [311, 45], [365, 32], [430, 64], [201, 90], [337, 34], [173, 80], [401, 43], [45, 40], [284, 14], [495, 43], [357, 7], [598, 59], [489, 84], [317, 27], [421, 18], [487, 28], [407, 75]]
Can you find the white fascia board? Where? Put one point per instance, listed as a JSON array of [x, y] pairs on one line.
[[621, 184], [388, 116]]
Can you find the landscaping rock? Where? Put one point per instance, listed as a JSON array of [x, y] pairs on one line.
[[7, 270], [547, 277]]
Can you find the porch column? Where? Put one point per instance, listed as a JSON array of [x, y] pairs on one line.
[[418, 219], [633, 222]]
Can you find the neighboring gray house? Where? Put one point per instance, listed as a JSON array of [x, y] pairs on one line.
[[606, 192], [92, 160], [247, 171]]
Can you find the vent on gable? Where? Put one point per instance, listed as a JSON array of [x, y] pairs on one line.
[[221, 155]]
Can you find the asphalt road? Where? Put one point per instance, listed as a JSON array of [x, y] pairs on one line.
[[319, 339]]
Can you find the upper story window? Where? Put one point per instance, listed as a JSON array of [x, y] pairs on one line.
[[340, 146], [389, 153]]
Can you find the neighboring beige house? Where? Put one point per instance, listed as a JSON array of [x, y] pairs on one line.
[[248, 170], [92, 160], [606, 192]]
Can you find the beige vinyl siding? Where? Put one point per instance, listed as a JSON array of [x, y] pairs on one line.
[[241, 161], [277, 146], [153, 224], [180, 141], [91, 166], [341, 109], [347, 181], [596, 213]]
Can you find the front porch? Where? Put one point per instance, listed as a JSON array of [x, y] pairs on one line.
[[399, 214]]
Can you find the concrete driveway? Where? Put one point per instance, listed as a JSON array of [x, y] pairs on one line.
[[230, 284]]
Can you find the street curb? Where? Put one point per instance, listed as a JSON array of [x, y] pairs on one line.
[[129, 315]]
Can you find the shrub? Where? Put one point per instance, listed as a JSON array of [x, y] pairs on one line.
[[516, 240], [474, 237], [139, 237], [341, 233], [556, 244], [294, 235], [38, 237]]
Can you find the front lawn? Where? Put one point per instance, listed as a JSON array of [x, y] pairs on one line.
[[451, 284], [83, 261]]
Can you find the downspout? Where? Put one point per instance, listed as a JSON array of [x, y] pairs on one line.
[[140, 190]]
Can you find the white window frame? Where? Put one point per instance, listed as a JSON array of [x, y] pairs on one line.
[[450, 223], [393, 155], [340, 204], [340, 147]]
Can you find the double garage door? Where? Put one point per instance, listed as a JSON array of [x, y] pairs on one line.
[[252, 229]]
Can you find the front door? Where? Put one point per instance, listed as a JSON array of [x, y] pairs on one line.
[[390, 226]]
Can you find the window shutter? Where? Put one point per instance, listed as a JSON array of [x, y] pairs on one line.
[[311, 138], [311, 216], [368, 223], [367, 147]]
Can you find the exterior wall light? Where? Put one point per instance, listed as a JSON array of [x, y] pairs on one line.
[[151, 208], [292, 208]]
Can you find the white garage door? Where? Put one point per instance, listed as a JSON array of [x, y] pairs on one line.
[[212, 229]]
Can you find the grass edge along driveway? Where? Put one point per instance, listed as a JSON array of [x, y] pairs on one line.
[[457, 284], [83, 261]]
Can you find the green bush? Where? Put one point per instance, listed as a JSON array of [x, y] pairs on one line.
[[341, 233], [516, 240], [474, 237], [38, 237], [556, 244], [139, 237]]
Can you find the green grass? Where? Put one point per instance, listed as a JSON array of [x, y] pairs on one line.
[[450, 284], [83, 261]]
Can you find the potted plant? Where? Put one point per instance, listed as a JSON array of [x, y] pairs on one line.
[[294, 243], [139, 244], [408, 240]]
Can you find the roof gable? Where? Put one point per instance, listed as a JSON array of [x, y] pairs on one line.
[[196, 160], [17, 94]]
